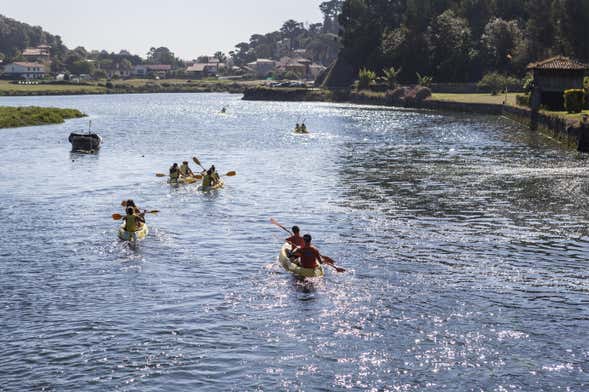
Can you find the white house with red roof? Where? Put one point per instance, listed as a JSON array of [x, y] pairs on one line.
[[26, 70]]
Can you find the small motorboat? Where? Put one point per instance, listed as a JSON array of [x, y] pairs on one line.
[[88, 143]]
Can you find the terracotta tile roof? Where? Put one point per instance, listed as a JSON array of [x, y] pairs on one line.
[[559, 63]]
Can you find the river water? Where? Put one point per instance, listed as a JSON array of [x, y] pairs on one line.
[[464, 238]]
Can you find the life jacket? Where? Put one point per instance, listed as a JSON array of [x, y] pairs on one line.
[[309, 256], [207, 180], [131, 223], [174, 174], [184, 170]]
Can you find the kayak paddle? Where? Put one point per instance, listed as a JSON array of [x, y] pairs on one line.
[[119, 216], [160, 175], [195, 159]]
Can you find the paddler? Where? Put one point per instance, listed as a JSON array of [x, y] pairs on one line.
[[295, 239], [215, 175], [297, 128], [174, 173], [303, 128], [207, 180], [308, 254], [136, 210], [132, 221], [185, 170]]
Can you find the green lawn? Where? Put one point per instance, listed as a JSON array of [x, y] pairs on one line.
[[476, 98]]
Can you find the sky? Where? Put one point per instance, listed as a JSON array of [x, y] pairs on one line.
[[190, 28]]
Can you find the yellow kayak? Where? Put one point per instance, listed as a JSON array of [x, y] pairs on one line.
[[301, 132], [137, 236], [296, 269], [183, 181], [218, 185]]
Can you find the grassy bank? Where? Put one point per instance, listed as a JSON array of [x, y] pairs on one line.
[[12, 117], [129, 86]]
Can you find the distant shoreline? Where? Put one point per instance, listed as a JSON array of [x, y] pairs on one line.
[[131, 86]]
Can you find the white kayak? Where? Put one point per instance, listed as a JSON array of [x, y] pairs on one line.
[[296, 269]]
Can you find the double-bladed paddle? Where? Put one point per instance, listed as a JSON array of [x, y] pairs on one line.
[[119, 216]]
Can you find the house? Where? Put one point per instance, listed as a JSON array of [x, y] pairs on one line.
[[112, 69], [552, 77], [41, 53], [303, 67], [25, 70], [203, 70], [262, 68], [149, 70]]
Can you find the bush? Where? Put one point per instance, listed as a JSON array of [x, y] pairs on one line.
[[424, 80], [574, 100], [365, 78], [390, 76], [422, 93], [523, 100], [495, 83], [109, 84]]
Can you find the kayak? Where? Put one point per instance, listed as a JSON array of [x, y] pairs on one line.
[[183, 181], [296, 269], [301, 132], [219, 185], [137, 236]]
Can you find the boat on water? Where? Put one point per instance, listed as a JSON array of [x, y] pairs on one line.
[[88, 143], [296, 269], [136, 236]]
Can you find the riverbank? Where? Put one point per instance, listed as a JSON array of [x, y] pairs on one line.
[[13, 117], [566, 128], [130, 86]]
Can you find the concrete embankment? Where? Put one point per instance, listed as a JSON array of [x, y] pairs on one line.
[[572, 134]]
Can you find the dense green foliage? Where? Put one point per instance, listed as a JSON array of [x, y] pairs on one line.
[[320, 41], [461, 40], [16, 36], [495, 83], [12, 117], [574, 100], [366, 78]]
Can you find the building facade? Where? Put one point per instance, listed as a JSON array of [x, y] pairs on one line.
[[25, 70]]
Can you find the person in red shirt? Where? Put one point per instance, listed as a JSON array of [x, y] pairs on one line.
[[308, 254], [295, 240]]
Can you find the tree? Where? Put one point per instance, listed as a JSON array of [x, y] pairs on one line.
[[80, 67], [162, 55], [221, 56], [331, 10], [291, 29], [499, 43], [450, 45]]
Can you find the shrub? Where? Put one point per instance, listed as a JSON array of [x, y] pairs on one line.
[[365, 78], [574, 100], [523, 100], [422, 93], [424, 80], [390, 76], [495, 83], [109, 84]]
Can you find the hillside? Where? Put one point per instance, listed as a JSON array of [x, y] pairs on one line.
[[460, 40], [15, 36]]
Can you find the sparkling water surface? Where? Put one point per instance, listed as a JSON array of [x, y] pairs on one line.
[[465, 240]]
